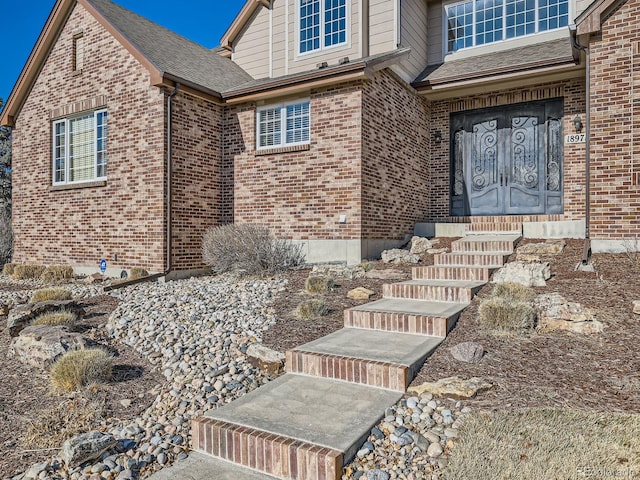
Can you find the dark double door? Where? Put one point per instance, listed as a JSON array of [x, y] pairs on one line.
[[507, 160]]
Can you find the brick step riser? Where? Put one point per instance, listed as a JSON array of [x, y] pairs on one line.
[[399, 322], [272, 454], [488, 246], [494, 227], [354, 370], [433, 293], [451, 273], [461, 259]]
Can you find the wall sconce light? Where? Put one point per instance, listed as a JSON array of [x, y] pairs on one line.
[[577, 123], [437, 137]]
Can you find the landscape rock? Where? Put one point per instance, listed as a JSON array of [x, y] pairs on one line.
[[349, 272], [420, 245], [468, 352], [528, 258], [527, 274], [387, 274], [93, 278], [360, 293], [397, 255], [41, 345], [436, 251], [264, 358], [22, 315], [550, 247], [377, 474], [556, 313], [86, 446], [453, 387], [636, 307]]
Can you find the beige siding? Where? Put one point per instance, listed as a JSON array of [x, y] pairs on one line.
[[381, 26], [434, 32], [413, 34], [251, 48], [580, 6]]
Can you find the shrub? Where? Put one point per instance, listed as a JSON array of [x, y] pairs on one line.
[[56, 319], [56, 273], [24, 272], [247, 249], [368, 266], [499, 314], [137, 272], [80, 368], [318, 284], [45, 294], [312, 308], [6, 236], [7, 269], [513, 292]]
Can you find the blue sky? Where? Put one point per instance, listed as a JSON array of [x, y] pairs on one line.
[[203, 21]]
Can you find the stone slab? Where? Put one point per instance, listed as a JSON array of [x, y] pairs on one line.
[[204, 467], [413, 307], [377, 345], [324, 412]]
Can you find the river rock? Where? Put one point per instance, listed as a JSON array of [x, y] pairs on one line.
[[556, 313], [23, 315], [41, 345], [360, 293], [468, 352], [527, 274], [550, 247], [86, 446], [453, 387], [266, 359], [397, 255]]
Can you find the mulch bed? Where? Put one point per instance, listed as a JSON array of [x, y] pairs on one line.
[[24, 390]]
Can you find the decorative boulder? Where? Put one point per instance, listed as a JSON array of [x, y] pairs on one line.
[[636, 307], [420, 245], [527, 274], [388, 274], [41, 345], [360, 293], [453, 387], [23, 315], [468, 352], [556, 313], [397, 255], [85, 447], [550, 247], [265, 358]]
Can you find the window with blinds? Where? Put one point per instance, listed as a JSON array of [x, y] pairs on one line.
[[80, 148], [283, 125]]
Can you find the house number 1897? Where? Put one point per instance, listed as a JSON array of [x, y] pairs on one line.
[[575, 138]]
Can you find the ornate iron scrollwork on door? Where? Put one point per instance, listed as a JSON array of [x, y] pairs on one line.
[[458, 163], [554, 154], [524, 151], [484, 168]]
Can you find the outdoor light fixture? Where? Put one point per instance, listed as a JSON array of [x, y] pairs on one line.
[[577, 123], [437, 137]]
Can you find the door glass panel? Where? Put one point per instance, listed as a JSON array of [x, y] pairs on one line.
[[524, 152], [484, 167], [554, 155], [458, 165]]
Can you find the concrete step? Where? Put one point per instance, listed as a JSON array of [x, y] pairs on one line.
[[295, 427], [481, 228], [491, 260], [205, 467], [485, 243], [481, 274], [433, 290], [405, 316], [369, 357]]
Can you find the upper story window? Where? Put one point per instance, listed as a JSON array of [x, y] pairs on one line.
[[323, 24], [80, 148], [478, 22], [282, 125]]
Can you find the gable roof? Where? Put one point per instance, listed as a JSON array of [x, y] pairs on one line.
[[240, 21], [590, 20], [168, 56]]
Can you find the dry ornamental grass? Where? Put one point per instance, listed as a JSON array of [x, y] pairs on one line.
[[81, 368], [26, 272], [57, 273], [46, 294], [318, 284], [312, 309], [57, 319], [137, 272]]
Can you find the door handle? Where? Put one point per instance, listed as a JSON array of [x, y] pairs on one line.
[[501, 179]]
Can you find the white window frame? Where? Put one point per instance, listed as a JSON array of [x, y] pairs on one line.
[[65, 122], [323, 47], [445, 26], [283, 123]]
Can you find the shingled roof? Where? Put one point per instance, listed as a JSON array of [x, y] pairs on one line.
[[555, 52], [172, 54]]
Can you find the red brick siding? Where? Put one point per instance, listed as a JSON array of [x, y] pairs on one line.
[[395, 158], [125, 217], [573, 92], [300, 195], [615, 125], [197, 175]]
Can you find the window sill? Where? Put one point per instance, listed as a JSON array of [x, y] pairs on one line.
[[286, 149], [75, 186]]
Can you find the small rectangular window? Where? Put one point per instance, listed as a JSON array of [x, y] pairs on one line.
[[282, 125]]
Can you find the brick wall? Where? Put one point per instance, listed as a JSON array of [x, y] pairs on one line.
[[197, 176], [573, 92], [395, 158], [299, 195], [615, 125], [126, 216]]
